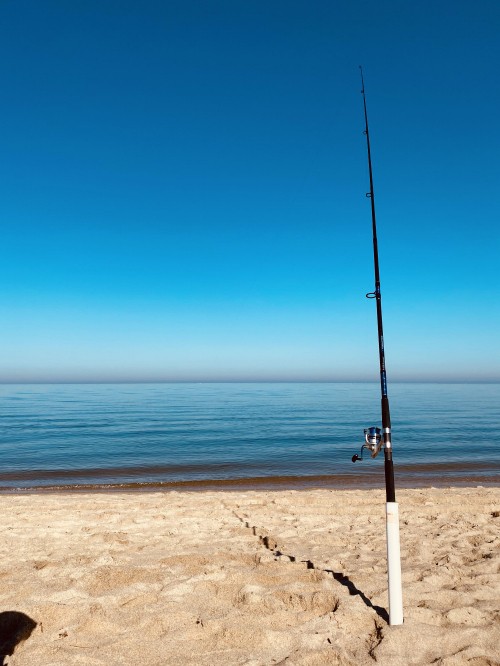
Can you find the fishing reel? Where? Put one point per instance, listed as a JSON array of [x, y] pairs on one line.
[[373, 442]]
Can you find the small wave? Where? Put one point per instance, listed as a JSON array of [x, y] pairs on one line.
[[407, 476]]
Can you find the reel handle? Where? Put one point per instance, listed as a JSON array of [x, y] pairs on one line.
[[373, 443]]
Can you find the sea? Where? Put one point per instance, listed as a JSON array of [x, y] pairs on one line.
[[194, 436]]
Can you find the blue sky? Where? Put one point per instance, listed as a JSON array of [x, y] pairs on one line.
[[182, 190]]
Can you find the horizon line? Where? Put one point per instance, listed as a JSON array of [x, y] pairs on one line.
[[9, 382]]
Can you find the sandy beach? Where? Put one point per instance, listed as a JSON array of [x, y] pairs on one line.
[[255, 577]]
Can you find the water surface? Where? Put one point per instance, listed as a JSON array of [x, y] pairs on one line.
[[273, 435]]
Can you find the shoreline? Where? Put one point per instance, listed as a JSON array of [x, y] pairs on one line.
[[372, 479]]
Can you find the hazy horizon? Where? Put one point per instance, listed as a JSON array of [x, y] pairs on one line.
[[248, 381]]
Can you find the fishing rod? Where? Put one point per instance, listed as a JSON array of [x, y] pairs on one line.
[[374, 439]]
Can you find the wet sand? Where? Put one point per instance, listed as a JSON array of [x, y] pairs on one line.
[[253, 577]]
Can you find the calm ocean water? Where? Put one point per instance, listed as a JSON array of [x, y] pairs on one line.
[[141, 436]]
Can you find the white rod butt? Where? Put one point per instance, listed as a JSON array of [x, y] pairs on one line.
[[394, 564]]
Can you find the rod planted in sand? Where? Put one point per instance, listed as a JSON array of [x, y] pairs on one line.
[[392, 514]]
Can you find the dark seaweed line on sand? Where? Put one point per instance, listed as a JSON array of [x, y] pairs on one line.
[[407, 476]]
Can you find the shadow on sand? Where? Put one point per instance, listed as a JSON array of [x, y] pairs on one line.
[[15, 628], [353, 590], [270, 544]]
